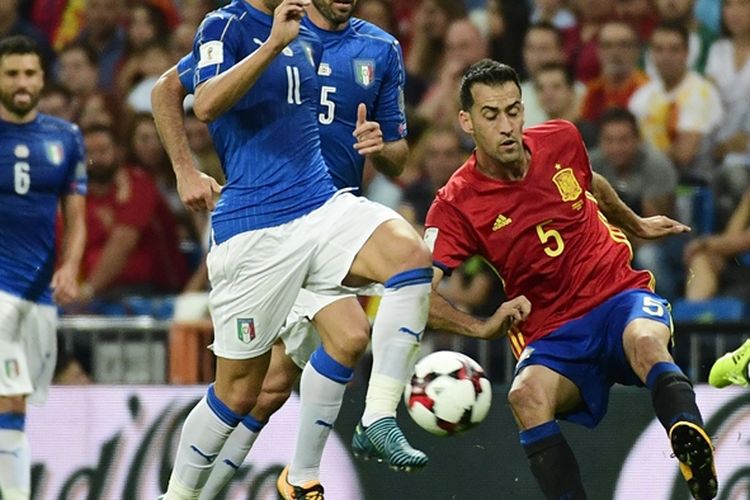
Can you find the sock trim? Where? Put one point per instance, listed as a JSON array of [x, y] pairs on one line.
[[253, 423], [539, 432], [221, 410], [658, 370], [13, 421], [328, 367], [411, 277]]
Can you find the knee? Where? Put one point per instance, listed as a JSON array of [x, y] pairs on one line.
[[526, 397], [412, 253], [646, 344], [356, 339]]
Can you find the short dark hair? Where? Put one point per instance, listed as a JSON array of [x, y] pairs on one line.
[[88, 50], [675, 26], [20, 45], [548, 26], [619, 115], [488, 72], [557, 66]]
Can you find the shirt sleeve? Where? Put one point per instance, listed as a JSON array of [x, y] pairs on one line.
[[77, 179], [186, 70], [215, 49], [449, 236], [137, 208], [700, 109], [389, 110]]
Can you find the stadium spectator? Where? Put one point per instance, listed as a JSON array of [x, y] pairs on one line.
[[581, 42], [103, 32], [639, 14], [56, 100], [132, 244], [682, 12], [507, 23], [678, 110], [429, 27], [378, 12], [728, 67], [543, 44], [619, 49], [152, 61], [464, 45], [77, 72], [556, 90], [712, 261], [646, 181], [11, 23]]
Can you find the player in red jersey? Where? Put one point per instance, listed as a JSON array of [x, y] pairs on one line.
[[529, 204]]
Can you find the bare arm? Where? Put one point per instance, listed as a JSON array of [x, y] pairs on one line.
[[197, 190], [114, 257], [619, 214], [221, 92], [684, 148], [387, 157], [445, 317], [65, 279]]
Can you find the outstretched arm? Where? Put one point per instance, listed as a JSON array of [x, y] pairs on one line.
[[619, 214], [445, 317]]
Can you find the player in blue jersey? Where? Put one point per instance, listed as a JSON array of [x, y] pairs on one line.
[[41, 164], [361, 68], [253, 269]]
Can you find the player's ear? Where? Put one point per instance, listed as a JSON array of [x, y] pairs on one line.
[[464, 119]]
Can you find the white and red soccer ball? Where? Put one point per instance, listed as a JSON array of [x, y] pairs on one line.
[[448, 393]]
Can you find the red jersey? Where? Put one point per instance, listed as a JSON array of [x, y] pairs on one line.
[[134, 200], [543, 234]]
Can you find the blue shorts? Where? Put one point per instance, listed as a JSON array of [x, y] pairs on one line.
[[589, 351]]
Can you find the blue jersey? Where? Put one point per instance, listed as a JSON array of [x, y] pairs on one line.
[[40, 162], [362, 63], [268, 142]]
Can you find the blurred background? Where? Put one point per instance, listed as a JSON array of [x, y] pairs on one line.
[[659, 89]]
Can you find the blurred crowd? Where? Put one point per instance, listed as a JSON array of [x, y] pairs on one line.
[[659, 89]]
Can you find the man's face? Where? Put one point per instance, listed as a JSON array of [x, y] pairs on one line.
[[540, 46], [495, 121], [555, 95], [21, 83], [464, 43], [102, 153], [669, 53], [675, 9], [76, 73], [618, 49], [336, 11], [619, 144]]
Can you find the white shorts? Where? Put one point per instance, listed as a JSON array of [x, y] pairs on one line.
[[28, 347], [256, 276]]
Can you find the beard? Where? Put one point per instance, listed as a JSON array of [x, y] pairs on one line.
[[101, 174], [334, 15], [8, 100]]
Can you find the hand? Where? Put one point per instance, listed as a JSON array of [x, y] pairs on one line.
[[658, 226], [286, 21], [509, 314], [368, 134], [65, 285], [197, 190]]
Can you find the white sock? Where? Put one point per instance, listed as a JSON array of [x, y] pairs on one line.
[[396, 333], [15, 465], [321, 392], [231, 456], [204, 432]]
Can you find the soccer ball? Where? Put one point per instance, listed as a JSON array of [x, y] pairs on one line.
[[448, 393]]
